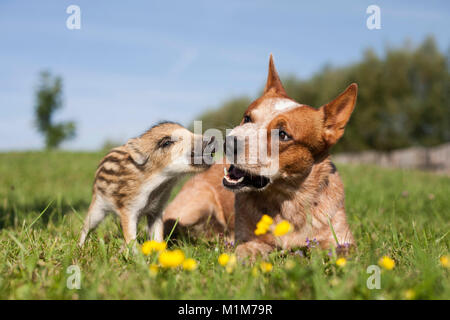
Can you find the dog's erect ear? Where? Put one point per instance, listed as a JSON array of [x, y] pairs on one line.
[[273, 80], [136, 152], [337, 113]]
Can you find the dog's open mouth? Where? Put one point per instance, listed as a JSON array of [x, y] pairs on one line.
[[235, 178]]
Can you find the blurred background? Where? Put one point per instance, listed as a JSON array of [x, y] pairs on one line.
[[132, 64]]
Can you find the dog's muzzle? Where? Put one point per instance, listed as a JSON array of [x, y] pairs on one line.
[[233, 147]]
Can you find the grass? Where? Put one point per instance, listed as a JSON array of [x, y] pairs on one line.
[[44, 197]]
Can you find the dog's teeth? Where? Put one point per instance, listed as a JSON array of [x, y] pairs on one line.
[[233, 181]]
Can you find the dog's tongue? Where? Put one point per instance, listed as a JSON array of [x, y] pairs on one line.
[[235, 173]]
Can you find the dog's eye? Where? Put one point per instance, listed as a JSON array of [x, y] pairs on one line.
[[247, 119], [284, 136]]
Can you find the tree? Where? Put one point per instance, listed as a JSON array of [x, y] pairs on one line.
[[48, 101]]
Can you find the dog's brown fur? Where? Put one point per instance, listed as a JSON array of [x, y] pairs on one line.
[[203, 207], [305, 190]]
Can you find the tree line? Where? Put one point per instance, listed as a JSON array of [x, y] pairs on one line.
[[403, 99]]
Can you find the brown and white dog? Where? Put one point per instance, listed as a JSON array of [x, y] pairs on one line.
[[135, 179], [299, 184]]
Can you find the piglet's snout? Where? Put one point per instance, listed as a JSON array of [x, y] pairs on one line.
[[204, 150]]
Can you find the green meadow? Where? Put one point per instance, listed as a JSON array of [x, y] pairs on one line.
[[44, 197]]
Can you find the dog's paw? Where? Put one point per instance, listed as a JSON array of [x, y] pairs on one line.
[[245, 253], [249, 251]]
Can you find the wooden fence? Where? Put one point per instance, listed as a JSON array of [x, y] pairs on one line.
[[436, 159]]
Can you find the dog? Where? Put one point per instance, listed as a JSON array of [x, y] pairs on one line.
[[203, 207], [136, 179], [299, 184]]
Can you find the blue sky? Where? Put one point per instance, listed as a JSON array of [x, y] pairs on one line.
[[137, 62]]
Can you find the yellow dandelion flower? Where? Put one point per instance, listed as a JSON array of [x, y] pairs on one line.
[[228, 261], [260, 231], [152, 245], [266, 267], [146, 248], [409, 294], [153, 269], [171, 259], [223, 259], [386, 263], [289, 265], [232, 261], [282, 228], [444, 261], [189, 264], [267, 220], [341, 262], [229, 269], [160, 246], [263, 225]]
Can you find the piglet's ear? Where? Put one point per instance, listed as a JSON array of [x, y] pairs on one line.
[[337, 113], [136, 152]]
